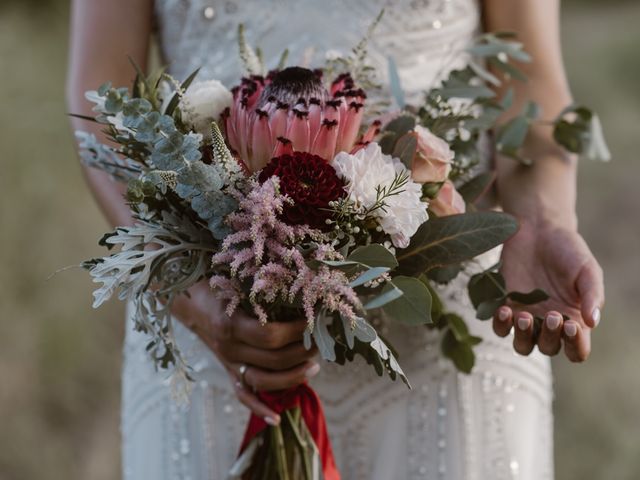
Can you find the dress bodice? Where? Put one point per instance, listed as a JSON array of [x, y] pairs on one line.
[[424, 37]]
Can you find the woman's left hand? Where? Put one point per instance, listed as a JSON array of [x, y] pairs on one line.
[[557, 260]]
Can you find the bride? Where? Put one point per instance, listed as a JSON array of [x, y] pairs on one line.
[[493, 424]]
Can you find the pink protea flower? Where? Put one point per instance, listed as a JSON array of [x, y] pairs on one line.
[[291, 110]]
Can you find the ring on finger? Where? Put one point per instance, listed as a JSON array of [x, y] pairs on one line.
[[242, 371]]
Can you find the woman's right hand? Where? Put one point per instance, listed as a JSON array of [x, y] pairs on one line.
[[273, 354]]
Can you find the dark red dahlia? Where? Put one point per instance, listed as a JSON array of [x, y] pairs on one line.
[[310, 182]]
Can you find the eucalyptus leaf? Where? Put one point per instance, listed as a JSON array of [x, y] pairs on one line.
[[323, 339], [477, 186], [373, 255], [486, 286], [455, 238], [414, 306], [486, 309], [405, 149], [389, 295], [460, 353], [401, 125], [368, 276], [530, 298]]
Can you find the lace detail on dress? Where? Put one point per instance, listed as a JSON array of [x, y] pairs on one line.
[[422, 36]]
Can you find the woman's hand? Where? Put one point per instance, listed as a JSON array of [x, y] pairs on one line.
[[557, 259], [273, 355]]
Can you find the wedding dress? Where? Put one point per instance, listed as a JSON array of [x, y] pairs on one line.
[[493, 424]]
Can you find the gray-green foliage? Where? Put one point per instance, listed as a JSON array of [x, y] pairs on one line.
[[465, 107], [151, 278], [174, 152]]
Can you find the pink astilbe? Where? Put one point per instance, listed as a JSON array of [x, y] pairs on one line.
[[262, 262]]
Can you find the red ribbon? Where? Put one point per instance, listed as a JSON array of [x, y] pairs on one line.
[[304, 397]]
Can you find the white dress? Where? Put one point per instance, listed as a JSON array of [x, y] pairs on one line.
[[493, 424]]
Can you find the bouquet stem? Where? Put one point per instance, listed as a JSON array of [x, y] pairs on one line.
[[296, 449]]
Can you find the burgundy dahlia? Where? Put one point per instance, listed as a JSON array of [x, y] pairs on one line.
[[291, 110], [310, 182]]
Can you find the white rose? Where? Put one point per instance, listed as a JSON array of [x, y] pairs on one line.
[[202, 104], [369, 168]]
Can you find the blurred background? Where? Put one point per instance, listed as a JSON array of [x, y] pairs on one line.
[[60, 360]]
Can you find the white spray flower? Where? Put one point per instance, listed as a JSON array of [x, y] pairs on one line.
[[202, 104]]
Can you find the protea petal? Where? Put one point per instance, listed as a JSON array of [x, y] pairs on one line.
[[315, 118], [278, 121], [298, 130], [283, 147], [351, 125], [261, 146], [325, 143]]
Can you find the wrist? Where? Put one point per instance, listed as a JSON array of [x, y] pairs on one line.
[[541, 194]]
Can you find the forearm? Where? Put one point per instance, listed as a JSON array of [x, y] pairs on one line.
[[104, 35], [545, 190]]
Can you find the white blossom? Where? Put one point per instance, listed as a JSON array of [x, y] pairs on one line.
[[368, 169], [202, 104]]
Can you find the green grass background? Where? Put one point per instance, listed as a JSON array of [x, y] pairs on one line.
[[60, 360]]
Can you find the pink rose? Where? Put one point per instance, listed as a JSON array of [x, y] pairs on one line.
[[432, 161], [448, 201]]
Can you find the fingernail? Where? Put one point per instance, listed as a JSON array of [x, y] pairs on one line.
[[271, 421], [503, 315], [553, 321], [312, 371], [570, 329], [596, 317], [523, 323]]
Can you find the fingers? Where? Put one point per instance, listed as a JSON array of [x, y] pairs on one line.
[[282, 359], [258, 379], [523, 340], [503, 321], [272, 335], [253, 403], [577, 341], [590, 286], [550, 341]]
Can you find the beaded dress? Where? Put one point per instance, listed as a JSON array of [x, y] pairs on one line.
[[491, 425]]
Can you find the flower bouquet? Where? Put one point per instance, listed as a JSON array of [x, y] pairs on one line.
[[294, 198]]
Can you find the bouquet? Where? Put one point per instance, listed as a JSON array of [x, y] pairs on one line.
[[298, 195]]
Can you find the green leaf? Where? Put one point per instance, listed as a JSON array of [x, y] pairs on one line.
[[457, 89], [508, 69], [486, 286], [511, 136], [477, 186], [405, 149], [460, 353], [368, 275], [579, 130], [437, 307], [458, 326], [373, 255], [444, 274], [453, 239], [395, 84], [388, 295], [534, 296], [176, 97], [401, 125], [414, 306], [485, 310]]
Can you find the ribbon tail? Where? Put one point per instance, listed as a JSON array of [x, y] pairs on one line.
[[313, 417]]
